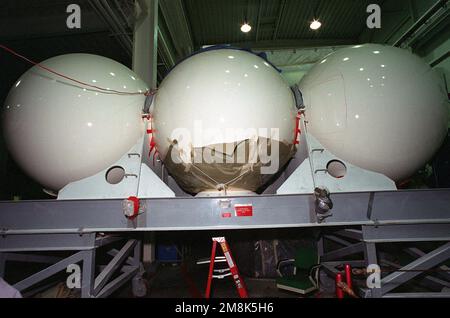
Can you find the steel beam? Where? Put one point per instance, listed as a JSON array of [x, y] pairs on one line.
[[342, 252], [90, 285], [88, 274], [428, 281], [407, 233], [350, 233], [258, 21], [177, 22], [31, 258], [279, 19], [47, 242], [445, 270], [370, 255], [145, 41], [113, 265], [49, 271], [130, 260], [407, 272], [418, 207], [136, 260], [337, 240], [117, 282], [330, 270], [420, 22], [320, 246], [124, 268], [274, 45]]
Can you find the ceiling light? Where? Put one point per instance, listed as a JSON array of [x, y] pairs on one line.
[[246, 28], [315, 24]]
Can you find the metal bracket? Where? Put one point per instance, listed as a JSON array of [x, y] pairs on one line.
[[323, 204]]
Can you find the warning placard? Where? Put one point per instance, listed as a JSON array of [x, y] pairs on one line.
[[243, 209]]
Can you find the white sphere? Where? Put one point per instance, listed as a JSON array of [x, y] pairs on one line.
[[59, 131], [227, 95], [378, 107]]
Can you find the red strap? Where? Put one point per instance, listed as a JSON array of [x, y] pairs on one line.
[[297, 130], [152, 143]]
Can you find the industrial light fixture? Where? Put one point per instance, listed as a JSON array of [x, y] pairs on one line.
[[315, 24], [246, 27]]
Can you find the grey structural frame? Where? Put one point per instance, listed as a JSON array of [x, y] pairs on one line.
[[365, 217], [125, 264]]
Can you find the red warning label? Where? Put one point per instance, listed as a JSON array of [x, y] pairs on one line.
[[243, 209]]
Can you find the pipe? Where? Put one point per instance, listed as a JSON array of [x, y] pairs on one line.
[[420, 22], [103, 9], [122, 32], [339, 291], [348, 276]]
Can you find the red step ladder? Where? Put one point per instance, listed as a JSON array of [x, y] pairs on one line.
[[233, 270]]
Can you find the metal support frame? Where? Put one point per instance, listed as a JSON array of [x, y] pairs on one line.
[[361, 220], [145, 60], [425, 262], [425, 211], [366, 242], [92, 286]]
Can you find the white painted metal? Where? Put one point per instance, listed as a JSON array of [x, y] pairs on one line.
[[59, 131], [314, 172], [138, 180], [378, 107], [222, 91]]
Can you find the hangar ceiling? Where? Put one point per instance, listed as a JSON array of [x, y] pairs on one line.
[[38, 27]]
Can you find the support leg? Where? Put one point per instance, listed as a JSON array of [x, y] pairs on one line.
[[320, 246], [2, 264], [137, 253], [139, 287], [370, 254], [88, 274]]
